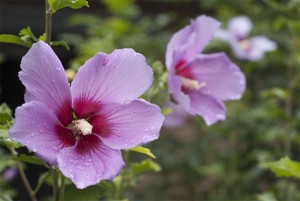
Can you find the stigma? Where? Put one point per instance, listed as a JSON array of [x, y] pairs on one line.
[[245, 44], [192, 84], [81, 127]]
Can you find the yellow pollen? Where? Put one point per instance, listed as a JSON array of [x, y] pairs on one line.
[[192, 84], [245, 44]]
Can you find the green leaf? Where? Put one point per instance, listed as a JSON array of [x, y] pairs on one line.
[[62, 43], [30, 159], [55, 5], [5, 114], [123, 7], [88, 194], [285, 167], [10, 143], [5, 198], [143, 150], [8, 38], [267, 196], [42, 179], [28, 33], [145, 165], [6, 162], [42, 37]]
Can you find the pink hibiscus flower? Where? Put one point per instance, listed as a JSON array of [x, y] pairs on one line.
[[244, 47], [83, 128], [201, 82]]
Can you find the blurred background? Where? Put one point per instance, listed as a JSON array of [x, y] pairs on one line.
[[223, 162]]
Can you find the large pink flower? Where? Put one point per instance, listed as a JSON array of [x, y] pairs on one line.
[[83, 128], [198, 82]]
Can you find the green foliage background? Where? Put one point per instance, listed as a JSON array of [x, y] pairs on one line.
[[230, 160]]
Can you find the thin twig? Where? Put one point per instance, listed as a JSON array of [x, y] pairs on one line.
[[62, 188], [54, 185], [48, 22], [23, 176]]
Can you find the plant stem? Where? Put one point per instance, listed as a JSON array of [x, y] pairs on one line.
[[62, 188], [290, 88], [55, 188], [48, 22], [120, 189], [23, 176]]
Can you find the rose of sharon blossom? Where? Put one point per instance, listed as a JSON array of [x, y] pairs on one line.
[[252, 48], [201, 82], [177, 118], [83, 128]]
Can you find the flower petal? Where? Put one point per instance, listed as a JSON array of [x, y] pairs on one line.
[[116, 77], [223, 35], [90, 161], [259, 45], [189, 41], [39, 129], [209, 108], [175, 84], [44, 78], [177, 118], [129, 125], [240, 27], [222, 79]]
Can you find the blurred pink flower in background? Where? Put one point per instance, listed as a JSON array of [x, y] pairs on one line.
[[177, 117], [10, 174], [201, 82], [244, 47], [82, 128]]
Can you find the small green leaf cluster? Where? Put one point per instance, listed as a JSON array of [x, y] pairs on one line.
[[26, 38], [56, 5]]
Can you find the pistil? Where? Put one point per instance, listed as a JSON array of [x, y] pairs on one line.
[[192, 84], [81, 127]]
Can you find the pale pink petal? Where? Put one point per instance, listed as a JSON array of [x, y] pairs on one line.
[[209, 108], [240, 26], [38, 128], [175, 89], [259, 45], [190, 41], [116, 77], [252, 49], [44, 78], [129, 125], [220, 78], [222, 34], [177, 117], [89, 162]]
